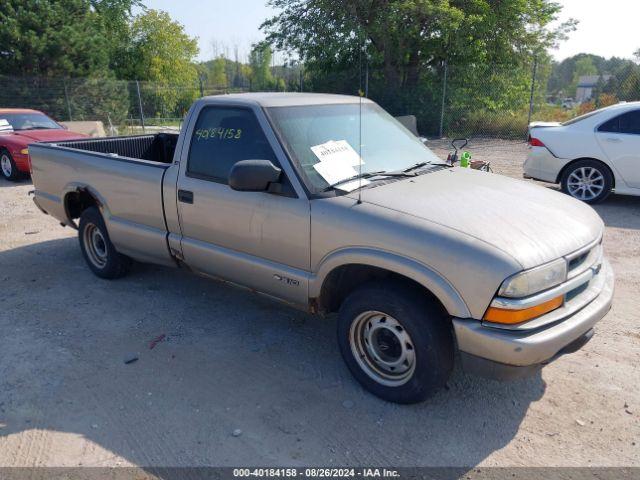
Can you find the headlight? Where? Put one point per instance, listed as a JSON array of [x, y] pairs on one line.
[[24, 151], [535, 280]]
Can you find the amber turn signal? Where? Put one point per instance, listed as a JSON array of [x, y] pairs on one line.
[[510, 317]]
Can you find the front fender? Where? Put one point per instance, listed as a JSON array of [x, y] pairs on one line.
[[407, 267]]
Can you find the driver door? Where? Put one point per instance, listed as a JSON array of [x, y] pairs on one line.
[[256, 239]]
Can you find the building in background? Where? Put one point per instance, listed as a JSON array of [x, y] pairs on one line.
[[587, 84]]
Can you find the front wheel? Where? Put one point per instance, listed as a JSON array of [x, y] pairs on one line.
[[587, 180], [98, 251], [8, 166], [396, 341]]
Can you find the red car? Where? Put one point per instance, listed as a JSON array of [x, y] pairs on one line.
[[18, 129]]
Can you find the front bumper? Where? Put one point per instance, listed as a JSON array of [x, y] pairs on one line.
[[21, 161], [504, 354]]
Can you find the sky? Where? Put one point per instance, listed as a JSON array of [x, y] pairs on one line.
[[226, 22], [607, 28]]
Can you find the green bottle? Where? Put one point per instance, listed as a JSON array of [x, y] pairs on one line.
[[465, 160]]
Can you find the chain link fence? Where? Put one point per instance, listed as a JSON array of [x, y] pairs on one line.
[[480, 102]]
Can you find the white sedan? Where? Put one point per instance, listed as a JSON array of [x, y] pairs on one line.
[[591, 155]]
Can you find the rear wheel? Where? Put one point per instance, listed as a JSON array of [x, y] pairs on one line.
[[587, 180], [396, 341], [98, 251], [8, 166]]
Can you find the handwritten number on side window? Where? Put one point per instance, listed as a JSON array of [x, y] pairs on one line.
[[218, 133]]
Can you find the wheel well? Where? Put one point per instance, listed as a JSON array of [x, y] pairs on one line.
[[77, 202], [572, 162], [343, 280]]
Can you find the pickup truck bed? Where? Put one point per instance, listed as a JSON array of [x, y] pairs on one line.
[[157, 148], [129, 171]]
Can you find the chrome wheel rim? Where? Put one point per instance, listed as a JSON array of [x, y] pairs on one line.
[[5, 164], [96, 245], [383, 348], [585, 183]]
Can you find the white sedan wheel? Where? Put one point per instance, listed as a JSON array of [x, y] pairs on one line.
[[586, 183], [587, 180]]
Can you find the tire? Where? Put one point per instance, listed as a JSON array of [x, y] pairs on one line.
[[589, 181], [387, 315], [8, 167], [98, 251]]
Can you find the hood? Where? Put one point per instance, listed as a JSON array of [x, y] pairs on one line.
[[31, 136], [532, 224]]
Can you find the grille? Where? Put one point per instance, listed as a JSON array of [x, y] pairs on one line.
[[584, 260]]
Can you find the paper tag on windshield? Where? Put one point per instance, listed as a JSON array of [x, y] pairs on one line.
[[5, 125], [334, 171], [339, 151]]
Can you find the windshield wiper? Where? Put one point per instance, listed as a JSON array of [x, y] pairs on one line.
[[37, 128], [415, 166], [367, 175], [420, 165]]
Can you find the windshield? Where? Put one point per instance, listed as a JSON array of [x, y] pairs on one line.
[[332, 133], [27, 121]]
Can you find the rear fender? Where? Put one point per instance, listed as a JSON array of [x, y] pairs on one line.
[[74, 187]]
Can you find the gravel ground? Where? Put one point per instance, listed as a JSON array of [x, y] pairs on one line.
[[240, 380]]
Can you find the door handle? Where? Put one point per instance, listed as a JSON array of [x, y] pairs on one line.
[[613, 140], [185, 196]]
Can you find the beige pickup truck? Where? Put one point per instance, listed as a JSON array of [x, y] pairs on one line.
[[328, 203]]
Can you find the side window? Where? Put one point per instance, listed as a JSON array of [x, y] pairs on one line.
[[611, 126], [630, 123], [223, 136]]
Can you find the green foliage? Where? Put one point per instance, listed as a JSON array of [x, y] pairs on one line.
[[38, 38], [619, 80], [487, 45], [260, 63], [215, 72], [161, 52], [406, 38], [105, 100]]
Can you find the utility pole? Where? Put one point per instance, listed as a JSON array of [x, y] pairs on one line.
[[533, 88], [444, 96], [66, 96], [140, 106]]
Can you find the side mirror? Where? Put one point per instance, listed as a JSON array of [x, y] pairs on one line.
[[253, 175]]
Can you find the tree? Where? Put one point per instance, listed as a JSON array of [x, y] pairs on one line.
[[637, 55], [260, 62], [69, 38], [161, 52], [115, 17], [51, 37], [406, 38], [214, 72]]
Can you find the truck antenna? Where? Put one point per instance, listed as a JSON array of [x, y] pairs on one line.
[[360, 93]]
